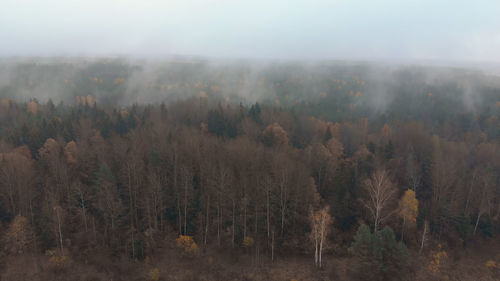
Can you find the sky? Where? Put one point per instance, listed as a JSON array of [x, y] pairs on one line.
[[443, 30]]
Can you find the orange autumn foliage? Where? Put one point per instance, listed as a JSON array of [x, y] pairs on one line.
[[187, 244], [408, 206]]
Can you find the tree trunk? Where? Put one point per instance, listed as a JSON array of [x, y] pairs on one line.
[[272, 247], [185, 204], [477, 223], [218, 220], [133, 245], [403, 229], [268, 214], [84, 215], [94, 230], [59, 230], [245, 222], [315, 251], [423, 237], [320, 249], [233, 223], [129, 177], [256, 220], [180, 215], [207, 219]]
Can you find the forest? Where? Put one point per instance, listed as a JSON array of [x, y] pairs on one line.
[[115, 169]]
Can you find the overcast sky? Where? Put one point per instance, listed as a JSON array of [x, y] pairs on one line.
[[337, 29]]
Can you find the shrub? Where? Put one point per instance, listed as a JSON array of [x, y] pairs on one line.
[[248, 242], [188, 245], [58, 262], [19, 235], [491, 264], [438, 259], [154, 274]]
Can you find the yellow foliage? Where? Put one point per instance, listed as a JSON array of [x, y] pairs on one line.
[[408, 206], [248, 242], [154, 274], [124, 113], [323, 94], [498, 104], [187, 243], [193, 249], [491, 264], [203, 94], [438, 259], [58, 261], [18, 235]]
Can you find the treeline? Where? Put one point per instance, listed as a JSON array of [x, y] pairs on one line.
[[78, 179]]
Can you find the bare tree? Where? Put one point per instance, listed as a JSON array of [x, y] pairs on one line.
[[380, 191], [320, 222], [484, 197]]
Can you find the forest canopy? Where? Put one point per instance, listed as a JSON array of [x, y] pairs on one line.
[[383, 168]]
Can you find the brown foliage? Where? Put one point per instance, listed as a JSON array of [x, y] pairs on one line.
[[275, 135], [18, 236], [71, 152]]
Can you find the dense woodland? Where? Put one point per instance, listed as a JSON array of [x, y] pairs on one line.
[[287, 171]]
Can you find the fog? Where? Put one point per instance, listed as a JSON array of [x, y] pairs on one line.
[[438, 31], [279, 52]]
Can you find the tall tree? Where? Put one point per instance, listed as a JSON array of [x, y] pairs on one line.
[[381, 191], [320, 222]]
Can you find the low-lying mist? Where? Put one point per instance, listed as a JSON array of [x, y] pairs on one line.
[[327, 88]]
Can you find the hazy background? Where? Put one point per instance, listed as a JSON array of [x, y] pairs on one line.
[[429, 30]]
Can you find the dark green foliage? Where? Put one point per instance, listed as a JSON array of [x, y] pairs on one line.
[[464, 227], [378, 255], [220, 124], [254, 113], [144, 172]]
